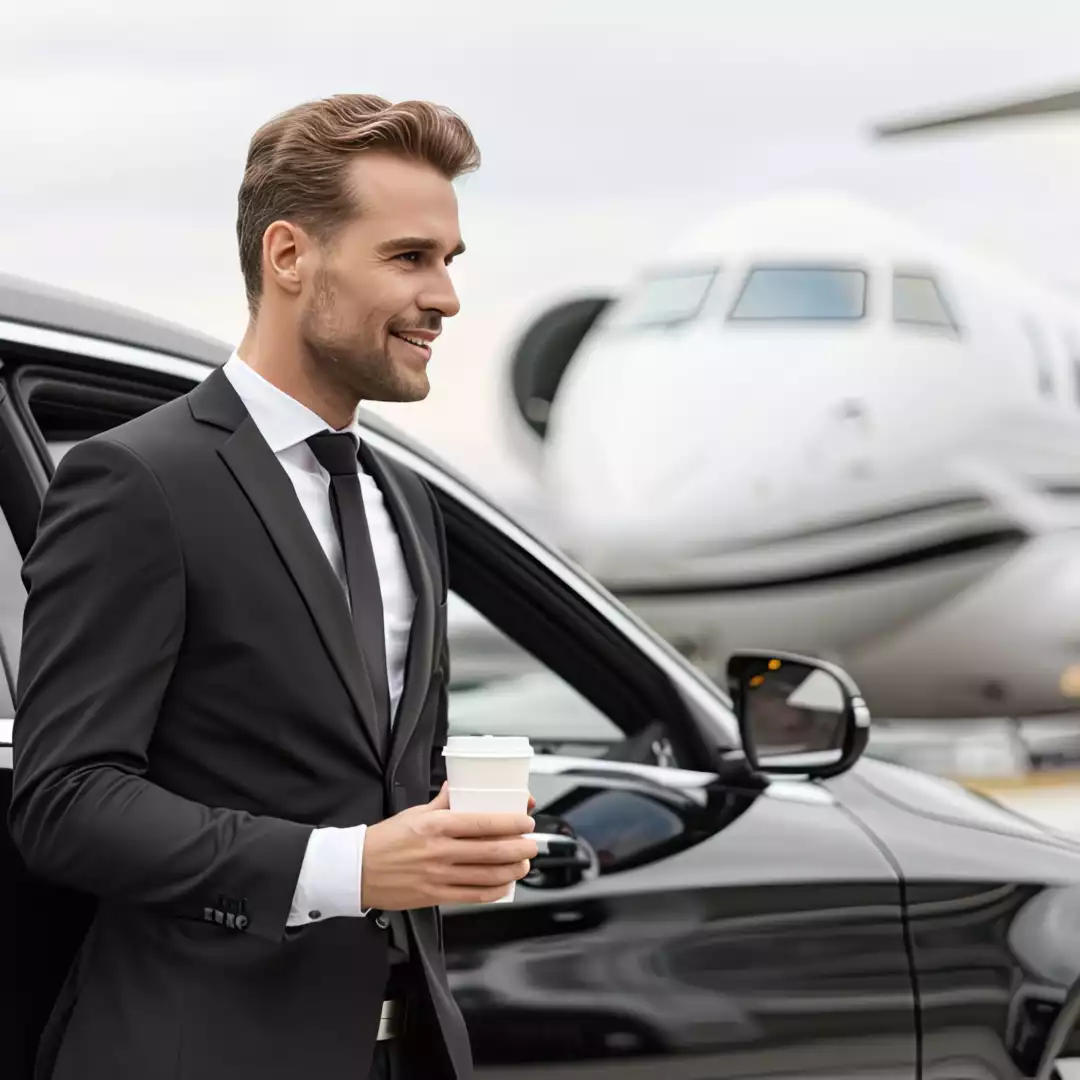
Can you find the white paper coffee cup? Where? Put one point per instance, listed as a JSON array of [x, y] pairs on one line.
[[489, 774], [488, 761], [490, 800]]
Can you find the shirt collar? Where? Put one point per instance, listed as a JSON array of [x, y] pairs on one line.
[[282, 420]]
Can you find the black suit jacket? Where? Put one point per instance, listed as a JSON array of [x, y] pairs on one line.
[[191, 705]]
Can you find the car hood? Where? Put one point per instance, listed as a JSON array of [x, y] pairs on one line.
[[937, 799], [937, 830]]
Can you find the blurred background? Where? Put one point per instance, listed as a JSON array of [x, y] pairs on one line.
[[775, 374]]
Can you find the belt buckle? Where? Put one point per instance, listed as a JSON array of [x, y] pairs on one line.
[[390, 1022]]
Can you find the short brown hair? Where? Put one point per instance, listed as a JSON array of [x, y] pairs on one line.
[[297, 162]]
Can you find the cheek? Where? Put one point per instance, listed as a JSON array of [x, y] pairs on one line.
[[381, 299], [371, 298]]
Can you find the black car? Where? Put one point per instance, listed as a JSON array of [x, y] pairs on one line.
[[724, 888]]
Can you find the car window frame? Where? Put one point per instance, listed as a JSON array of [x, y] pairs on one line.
[[711, 707], [692, 683]]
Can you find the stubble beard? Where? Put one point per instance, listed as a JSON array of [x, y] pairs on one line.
[[364, 370]]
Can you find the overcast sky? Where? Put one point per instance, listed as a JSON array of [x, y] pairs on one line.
[[605, 126]]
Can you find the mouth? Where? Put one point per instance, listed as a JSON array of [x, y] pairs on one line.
[[416, 343]]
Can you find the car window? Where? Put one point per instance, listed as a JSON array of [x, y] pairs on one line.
[[12, 602], [58, 449], [497, 688], [564, 702]]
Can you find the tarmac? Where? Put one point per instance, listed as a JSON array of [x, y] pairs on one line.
[[1050, 798]]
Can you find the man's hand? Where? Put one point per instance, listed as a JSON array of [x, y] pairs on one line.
[[430, 855]]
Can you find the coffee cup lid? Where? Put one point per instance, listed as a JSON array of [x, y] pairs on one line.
[[488, 746]]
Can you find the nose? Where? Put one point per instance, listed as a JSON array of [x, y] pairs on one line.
[[440, 295]]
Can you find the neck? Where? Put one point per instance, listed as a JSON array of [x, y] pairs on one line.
[[281, 359]]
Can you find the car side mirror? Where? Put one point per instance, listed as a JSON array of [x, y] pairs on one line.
[[797, 715]]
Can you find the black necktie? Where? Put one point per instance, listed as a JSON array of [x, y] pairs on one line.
[[337, 453]]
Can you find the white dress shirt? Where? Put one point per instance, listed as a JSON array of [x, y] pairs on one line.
[[329, 882]]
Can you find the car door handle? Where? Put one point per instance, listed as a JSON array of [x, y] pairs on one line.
[[561, 860]]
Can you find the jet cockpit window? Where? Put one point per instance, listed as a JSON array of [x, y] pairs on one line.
[[803, 292], [917, 299], [663, 299]]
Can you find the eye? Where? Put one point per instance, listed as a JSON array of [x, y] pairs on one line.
[[410, 256]]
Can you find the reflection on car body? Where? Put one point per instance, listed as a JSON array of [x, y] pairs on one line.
[[690, 914]]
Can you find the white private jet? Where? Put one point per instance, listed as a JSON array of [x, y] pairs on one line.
[[812, 425]]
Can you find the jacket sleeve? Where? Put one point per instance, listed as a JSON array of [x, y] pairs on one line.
[[103, 627]]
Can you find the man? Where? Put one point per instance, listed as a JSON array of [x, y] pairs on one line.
[[233, 685]]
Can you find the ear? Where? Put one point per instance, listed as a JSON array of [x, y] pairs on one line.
[[285, 247]]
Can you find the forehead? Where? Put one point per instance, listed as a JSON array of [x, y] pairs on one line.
[[397, 197]]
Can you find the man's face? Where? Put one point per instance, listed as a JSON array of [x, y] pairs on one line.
[[383, 279]]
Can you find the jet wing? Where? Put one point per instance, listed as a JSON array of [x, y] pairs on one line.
[[1062, 101]]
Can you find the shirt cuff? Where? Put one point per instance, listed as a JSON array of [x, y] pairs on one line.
[[329, 881]]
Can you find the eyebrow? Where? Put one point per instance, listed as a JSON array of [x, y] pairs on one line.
[[416, 243]]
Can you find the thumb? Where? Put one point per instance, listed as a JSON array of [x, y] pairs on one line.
[[442, 800]]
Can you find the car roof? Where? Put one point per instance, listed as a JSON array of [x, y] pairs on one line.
[[36, 304]]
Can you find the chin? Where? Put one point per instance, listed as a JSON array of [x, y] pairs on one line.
[[403, 390], [413, 385], [416, 392]]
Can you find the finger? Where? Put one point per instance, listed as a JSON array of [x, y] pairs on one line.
[[532, 803], [460, 824], [459, 874], [510, 849], [463, 894]]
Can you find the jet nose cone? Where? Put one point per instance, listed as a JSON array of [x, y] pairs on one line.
[[627, 470], [618, 506], [661, 452]]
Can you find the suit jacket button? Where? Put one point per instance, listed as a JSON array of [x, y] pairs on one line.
[[382, 922], [314, 914]]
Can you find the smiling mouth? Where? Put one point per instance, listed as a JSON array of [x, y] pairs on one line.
[[421, 347]]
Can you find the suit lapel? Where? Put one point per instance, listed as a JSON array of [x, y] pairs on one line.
[[420, 655], [266, 485]]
